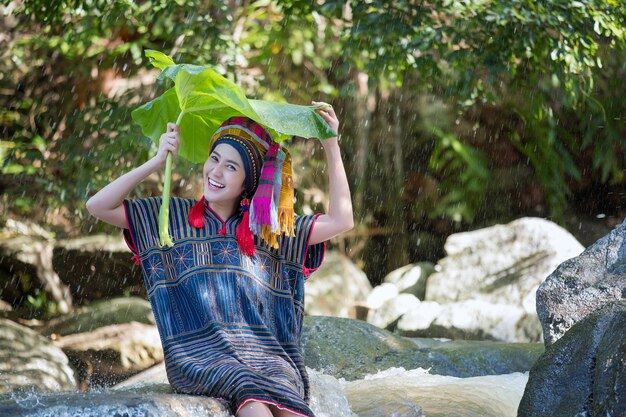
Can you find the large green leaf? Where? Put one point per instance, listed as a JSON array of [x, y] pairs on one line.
[[202, 99]]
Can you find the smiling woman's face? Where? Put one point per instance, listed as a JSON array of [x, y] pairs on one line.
[[224, 175]]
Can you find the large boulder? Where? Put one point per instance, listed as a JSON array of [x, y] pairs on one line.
[[100, 314], [26, 265], [471, 319], [502, 264], [29, 361], [351, 349], [110, 354], [584, 372], [581, 285], [96, 267], [108, 340], [493, 274], [337, 288]]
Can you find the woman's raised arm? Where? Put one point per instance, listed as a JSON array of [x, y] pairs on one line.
[[106, 204], [339, 217]]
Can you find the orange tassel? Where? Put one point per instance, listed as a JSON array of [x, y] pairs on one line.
[[196, 214], [285, 205], [244, 235]]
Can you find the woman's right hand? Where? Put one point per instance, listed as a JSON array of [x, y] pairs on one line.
[[169, 142]]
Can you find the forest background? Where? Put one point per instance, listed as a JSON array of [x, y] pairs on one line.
[[454, 114]]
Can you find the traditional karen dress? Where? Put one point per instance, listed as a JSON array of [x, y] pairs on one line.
[[230, 324]]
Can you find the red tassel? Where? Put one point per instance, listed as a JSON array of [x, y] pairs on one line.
[[244, 235], [136, 259], [196, 214]]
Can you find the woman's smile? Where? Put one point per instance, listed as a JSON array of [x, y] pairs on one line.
[[215, 184]]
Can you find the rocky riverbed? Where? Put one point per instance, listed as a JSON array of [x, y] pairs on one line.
[[517, 319]]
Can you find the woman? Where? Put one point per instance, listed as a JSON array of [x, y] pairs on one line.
[[229, 305]]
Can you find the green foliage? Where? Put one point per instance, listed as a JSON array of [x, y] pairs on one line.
[[40, 306], [464, 177], [554, 66]]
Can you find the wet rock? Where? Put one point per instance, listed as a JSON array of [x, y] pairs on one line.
[[29, 361], [337, 288], [105, 403], [96, 267], [501, 265], [110, 354], [582, 285], [100, 314], [583, 373], [327, 397], [351, 349]]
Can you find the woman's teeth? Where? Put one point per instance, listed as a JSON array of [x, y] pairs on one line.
[[215, 184]]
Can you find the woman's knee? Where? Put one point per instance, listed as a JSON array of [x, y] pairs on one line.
[[254, 409]]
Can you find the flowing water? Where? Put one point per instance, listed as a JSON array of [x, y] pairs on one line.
[[394, 392], [397, 392]]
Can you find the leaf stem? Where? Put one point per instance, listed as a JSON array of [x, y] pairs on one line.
[[164, 210]]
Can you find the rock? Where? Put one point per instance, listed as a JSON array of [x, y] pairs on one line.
[[417, 321], [351, 349], [327, 397], [583, 373], [501, 265], [583, 284], [29, 361], [100, 314], [96, 267], [4, 306], [25, 265], [380, 295], [110, 354], [471, 319], [386, 317], [411, 279], [336, 288], [105, 403]]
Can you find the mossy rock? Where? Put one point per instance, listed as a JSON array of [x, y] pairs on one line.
[[351, 349]]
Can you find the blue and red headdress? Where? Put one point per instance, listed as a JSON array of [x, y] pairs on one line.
[[269, 182]]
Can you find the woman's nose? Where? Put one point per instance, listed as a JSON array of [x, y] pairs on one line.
[[216, 170]]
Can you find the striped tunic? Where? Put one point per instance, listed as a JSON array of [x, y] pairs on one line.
[[230, 325]]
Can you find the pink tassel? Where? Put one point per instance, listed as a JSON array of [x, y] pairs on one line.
[[262, 200]]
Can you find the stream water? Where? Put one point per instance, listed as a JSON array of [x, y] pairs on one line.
[[394, 392]]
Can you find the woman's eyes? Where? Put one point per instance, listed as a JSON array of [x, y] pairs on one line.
[[229, 166]]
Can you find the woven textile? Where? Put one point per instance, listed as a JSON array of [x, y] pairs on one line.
[[230, 325]]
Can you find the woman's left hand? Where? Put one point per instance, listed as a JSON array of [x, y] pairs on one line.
[[329, 116]]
